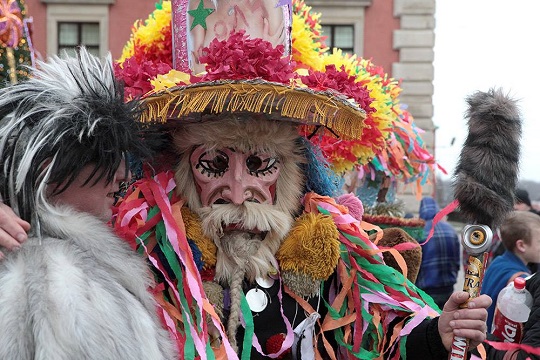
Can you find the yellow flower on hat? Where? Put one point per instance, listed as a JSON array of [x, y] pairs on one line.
[[151, 33], [170, 79]]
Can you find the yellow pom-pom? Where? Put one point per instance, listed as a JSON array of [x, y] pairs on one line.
[[192, 223], [312, 247]]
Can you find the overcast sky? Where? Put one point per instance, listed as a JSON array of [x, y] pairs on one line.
[[481, 44]]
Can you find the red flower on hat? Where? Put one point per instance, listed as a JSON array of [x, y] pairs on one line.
[[240, 57], [136, 76], [342, 82]]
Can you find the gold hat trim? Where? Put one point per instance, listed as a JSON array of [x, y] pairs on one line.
[[279, 102]]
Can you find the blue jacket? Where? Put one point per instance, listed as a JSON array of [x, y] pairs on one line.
[[441, 255]]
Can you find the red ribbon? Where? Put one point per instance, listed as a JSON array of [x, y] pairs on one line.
[[440, 215]]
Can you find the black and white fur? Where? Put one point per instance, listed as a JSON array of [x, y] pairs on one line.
[[69, 114]]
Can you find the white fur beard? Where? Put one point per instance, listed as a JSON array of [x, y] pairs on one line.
[[244, 252], [252, 245]]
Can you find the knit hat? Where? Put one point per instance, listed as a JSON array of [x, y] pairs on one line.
[[522, 197]]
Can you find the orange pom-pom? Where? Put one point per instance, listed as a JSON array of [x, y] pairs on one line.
[[312, 247]]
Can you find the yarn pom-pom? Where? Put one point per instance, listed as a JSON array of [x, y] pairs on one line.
[[356, 209], [273, 345], [312, 247]]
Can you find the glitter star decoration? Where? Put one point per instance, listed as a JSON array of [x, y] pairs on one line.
[[199, 15]]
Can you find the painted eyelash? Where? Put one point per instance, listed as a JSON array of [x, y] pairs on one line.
[[269, 170], [206, 167], [209, 173], [264, 172]]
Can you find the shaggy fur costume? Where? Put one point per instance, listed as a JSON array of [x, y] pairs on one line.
[[242, 255], [487, 171], [81, 294]]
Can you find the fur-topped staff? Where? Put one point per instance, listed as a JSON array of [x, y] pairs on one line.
[[486, 175], [70, 114]]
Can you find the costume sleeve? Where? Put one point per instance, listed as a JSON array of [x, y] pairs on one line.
[[492, 353], [532, 335], [424, 342], [531, 338]]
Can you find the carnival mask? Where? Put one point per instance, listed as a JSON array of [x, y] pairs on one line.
[[228, 176]]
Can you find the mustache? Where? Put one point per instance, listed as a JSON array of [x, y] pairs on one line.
[[247, 216]]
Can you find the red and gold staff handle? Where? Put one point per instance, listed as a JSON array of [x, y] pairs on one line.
[[476, 240]]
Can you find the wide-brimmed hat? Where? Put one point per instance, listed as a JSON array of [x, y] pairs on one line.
[[245, 75], [326, 89], [251, 75], [278, 101]]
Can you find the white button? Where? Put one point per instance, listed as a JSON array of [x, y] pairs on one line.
[[257, 300], [265, 282]]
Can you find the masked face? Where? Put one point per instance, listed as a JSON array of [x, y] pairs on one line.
[[242, 176], [228, 176]]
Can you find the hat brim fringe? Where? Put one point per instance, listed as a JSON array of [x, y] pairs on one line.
[[276, 100]]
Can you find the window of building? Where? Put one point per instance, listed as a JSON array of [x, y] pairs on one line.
[[74, 34], [340, 36], [70, 25]]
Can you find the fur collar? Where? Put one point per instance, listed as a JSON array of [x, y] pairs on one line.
[[96, 239]]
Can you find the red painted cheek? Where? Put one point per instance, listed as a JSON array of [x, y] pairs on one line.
[[273, 193], [198, 188]]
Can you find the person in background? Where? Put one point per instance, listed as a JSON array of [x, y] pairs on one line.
[[440, 255], [523, 201], [73, 289], [520, 235]]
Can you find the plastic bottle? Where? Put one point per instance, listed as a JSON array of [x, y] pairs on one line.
[[512, 311]]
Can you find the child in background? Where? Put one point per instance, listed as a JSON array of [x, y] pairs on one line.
[[520, 235]]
